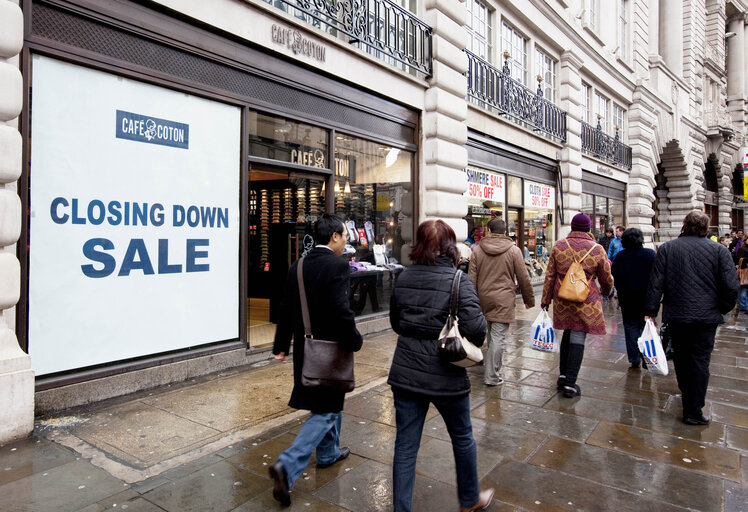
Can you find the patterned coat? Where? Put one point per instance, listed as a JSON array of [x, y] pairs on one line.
[[584, 316]]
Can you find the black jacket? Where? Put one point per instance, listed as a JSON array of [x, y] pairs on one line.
[[327, 282], [696, 279], [419, 306], [631, 270]]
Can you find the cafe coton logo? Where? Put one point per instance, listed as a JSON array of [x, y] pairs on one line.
[[297, 43]]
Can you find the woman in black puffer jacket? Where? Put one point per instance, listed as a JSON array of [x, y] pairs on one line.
[[419, 307]]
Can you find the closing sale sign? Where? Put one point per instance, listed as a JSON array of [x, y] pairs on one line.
[[134, 232]]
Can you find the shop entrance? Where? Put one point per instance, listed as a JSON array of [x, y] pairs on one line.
[[281, 212]]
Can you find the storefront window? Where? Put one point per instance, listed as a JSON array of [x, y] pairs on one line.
[[514, 190], [372, 185], [539, 229], [604, 212], [287, 140], [486, 197]]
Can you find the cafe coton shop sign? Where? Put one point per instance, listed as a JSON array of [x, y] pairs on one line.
[[297, 43]]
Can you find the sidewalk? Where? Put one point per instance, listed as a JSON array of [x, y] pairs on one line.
[[206, 444]]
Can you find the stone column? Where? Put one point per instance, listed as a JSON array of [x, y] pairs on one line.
[[653, 28], [671, 34], [16, 376], [570, 100], [642, 181], [444, 155], [736, 69]]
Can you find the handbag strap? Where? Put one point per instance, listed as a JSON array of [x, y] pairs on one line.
[[302, 297], [454, 297]]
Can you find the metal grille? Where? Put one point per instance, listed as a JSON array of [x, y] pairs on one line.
[[489, 86], [62, 26], [383, 28], [600, 144]]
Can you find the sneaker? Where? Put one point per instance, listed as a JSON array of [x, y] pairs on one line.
[[497, 383], [571, 391]]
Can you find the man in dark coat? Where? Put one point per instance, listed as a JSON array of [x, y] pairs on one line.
[[698, 284], [326, 281]]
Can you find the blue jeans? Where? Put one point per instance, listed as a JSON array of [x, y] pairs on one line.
[[321, 432], [410, 409], [743, 298], [633, 329]]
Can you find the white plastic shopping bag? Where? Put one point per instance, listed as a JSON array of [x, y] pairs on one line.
[[650, 346], [543, 335]]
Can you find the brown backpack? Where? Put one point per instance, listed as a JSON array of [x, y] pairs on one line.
[[575, 287]]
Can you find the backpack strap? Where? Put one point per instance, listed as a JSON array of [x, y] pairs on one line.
[[574, 253]]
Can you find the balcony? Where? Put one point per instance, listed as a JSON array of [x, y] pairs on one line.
[[598, 143], [379, 27], [494, 88]]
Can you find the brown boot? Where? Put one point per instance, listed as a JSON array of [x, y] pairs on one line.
[[484, 500]]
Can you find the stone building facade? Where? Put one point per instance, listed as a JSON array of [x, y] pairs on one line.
[[533, 110]]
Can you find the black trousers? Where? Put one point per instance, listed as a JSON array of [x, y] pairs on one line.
[[692, 344]]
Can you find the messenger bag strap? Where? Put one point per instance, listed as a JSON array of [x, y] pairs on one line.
[[302, 296], [454, 297]]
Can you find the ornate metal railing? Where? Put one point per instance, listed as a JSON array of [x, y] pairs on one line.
[[598, 143], [382, 27], [494, 87]]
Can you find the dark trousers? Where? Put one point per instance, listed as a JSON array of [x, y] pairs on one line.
[[633, 329], [692, 344]]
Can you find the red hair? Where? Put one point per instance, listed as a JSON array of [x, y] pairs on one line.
[[434, 238]]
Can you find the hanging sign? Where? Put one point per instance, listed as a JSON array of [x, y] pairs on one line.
[[538, 195], [485, 185]]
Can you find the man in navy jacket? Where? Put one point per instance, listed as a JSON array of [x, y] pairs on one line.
[[326, 281], [698, 284]]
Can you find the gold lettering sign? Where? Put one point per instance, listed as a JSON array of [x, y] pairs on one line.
[[314, 158], [297, 43]]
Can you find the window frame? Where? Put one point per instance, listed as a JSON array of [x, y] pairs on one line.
[[484, 38], [599, 100], [623, 27], [507, 45], [619, 121], [541, 59], [585, 104]]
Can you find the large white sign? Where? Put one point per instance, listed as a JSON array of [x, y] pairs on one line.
[[485, 185], [134, 236], [540, 196]]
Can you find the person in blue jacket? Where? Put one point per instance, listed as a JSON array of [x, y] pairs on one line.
[[615, 245]]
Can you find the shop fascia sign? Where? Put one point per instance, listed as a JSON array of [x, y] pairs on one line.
[[297, 43], [538, 195]]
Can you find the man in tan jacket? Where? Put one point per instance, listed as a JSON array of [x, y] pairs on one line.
[[496, 265]]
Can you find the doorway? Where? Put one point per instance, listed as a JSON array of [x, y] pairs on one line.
[[282, 208]]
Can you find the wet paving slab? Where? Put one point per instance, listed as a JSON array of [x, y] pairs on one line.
[[620, 446]]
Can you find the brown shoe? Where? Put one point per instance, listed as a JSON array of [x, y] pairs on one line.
[[484, 501]]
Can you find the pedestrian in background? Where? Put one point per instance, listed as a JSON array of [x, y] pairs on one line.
[[615, 244], [326, 281], [737, 243], [496, 267], [606, 239], [631, 270], [419, 306], [576, 319], [697, 283], [743, 296]]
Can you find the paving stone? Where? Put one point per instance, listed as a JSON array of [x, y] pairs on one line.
[[534, 488], [684, 453], [436, 461], [68, 487], [379, 408], [531, 363], [373, 441], [531, 395], [737, 438], [554, 423], [498, 410], [734, 372], [659, 481], [186, 469], [736, 497], [727, 396], [300, 501], [515, 443], [150, 484], [28, 456], [731, 415], [723, 360], [595, 408], [368, 487], [220, 487]]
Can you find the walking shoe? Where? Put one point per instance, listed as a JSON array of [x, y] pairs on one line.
[[571, 391], [636, 364], [497, 383], [561, 382], [344, 453], [280, 488], [696, 420], [484, 500]]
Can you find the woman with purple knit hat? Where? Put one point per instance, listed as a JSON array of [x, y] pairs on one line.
[[576, 319]]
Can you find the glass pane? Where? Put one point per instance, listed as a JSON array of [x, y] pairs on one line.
[[587, 204], [282, 210], [512, 224], [287, 140], [616, 212], [486, 198], [539, 239], [601, 205], [372, 192], [513, 190]]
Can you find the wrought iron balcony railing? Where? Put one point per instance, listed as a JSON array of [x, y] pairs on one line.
[[598, 143], [494, 87], [383, 28]]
